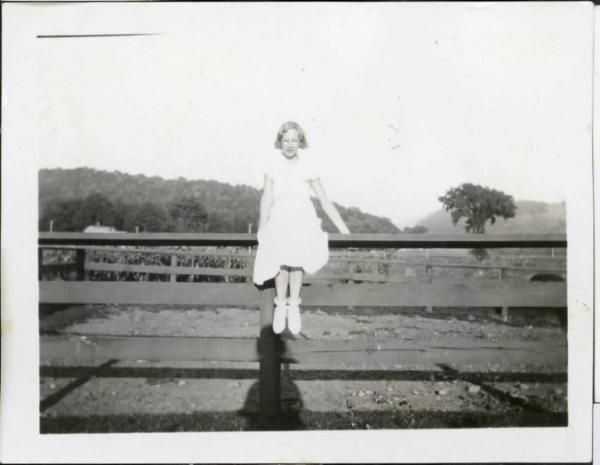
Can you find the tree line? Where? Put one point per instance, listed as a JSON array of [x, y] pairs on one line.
[[181, 215], [73, 199]]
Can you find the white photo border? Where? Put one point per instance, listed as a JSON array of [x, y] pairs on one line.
[[21, 441]]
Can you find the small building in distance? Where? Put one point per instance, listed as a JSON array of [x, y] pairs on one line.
[[97, 228]]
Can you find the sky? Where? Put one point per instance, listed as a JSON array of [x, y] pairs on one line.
[[399, 101]]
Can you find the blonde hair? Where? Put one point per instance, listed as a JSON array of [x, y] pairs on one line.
[[286, 127]]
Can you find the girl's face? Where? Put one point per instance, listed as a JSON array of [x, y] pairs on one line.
[[290, 142]]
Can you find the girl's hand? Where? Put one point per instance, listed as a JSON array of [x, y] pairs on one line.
[[345, 230]]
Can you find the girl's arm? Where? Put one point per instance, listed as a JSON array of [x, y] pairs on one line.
[[265, 202], [328, 206]]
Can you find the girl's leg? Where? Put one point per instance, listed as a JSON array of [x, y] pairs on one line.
[[281, 284], [294, 323], [296, 275]]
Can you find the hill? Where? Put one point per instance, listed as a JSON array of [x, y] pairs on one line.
[[531, 217], [74, 198]]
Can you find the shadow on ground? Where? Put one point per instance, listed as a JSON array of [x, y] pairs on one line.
[[293, 414], [298, 420]]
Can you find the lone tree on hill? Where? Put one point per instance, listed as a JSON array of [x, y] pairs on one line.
[[477, 204]]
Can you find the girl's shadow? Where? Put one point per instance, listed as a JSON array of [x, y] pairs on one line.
[[289, 417], [292, 404]]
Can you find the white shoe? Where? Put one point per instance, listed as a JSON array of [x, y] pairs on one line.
[[293, 316], [279, 316]]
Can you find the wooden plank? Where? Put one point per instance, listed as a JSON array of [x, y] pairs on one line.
[[148, 293], [335, 255], [402, 261], [364, 354], [397, 240], [210, 271], [152, 348], [496, 267], [148, 239], [342, 276], [155, 251], [373, 354], [300, 346], [55, 267], [381, 278], [214, 271], [166, 269], [413, 294], [438, 294]]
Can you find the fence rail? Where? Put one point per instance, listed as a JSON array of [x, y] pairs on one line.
[[371, 241], [268, 348], [412, 294], [313, 352]]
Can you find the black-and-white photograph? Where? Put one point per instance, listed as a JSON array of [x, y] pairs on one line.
[[293, 217]]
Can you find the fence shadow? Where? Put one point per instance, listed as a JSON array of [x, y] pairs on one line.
[[298, 374], [293, 414]]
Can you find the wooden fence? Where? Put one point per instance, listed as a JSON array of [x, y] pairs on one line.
[[239, 264], [269, 349]]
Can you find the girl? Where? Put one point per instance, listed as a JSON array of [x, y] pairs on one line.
[[290, 238]]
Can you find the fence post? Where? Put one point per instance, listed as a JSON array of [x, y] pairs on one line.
[[429, 274], [375, 272], [248, 266], [173, 264], [228, 263], [269, 345], [80, 264], [40, 263], [502, 274]]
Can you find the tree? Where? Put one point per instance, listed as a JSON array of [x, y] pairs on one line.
[[76, 214], [125, 216], [356, 220], [152, 218], [62, 214], [95, 208], [188, 215], [477, 204]]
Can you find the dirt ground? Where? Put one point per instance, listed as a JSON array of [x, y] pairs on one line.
[[147, 396]]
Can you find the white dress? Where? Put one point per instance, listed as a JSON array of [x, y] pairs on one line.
[[292, 234]]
